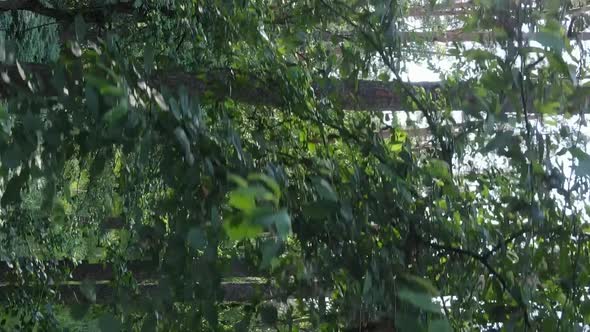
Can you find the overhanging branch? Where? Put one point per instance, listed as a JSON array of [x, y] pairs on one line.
[[90, 14]]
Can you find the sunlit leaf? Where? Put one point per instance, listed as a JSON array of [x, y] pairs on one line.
[[239, 230], [115, 115]]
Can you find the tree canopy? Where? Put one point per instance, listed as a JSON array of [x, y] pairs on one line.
[[217, 165]]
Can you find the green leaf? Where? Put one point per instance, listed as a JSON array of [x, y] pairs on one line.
[[280, 220], [407, 322], [112, 90], [438, 169], [550, 324], [579, 153], [242, 199], [269, 314], [564, 260], [75, 48], [58, 213], [148, 57], [115, 115], [196, 239], [367, 284], [13, 188], [552, 6], [109, 323], [160, 100], [186, 145], [585, 310], [80, 27], [268, 181], [583, 166], [96, 81], [395, 147], [319, 210], [421, 283], [118, 205], [550, 108], [103, 86], [239, 181], [12, 156], [550, 39], [98, 165], [270, 249], [480, 55], [499, 142], [324, 189], [88, 288], [150, 324], [419, 300], [439, 325], [241, 229], [512, 256], [91, 99], [79, 311]]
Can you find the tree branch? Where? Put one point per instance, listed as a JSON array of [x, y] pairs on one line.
[[90, 14], [512, 237], [483, 261]]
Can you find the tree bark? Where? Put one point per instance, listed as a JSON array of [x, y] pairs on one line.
[[90, 15], [35, 6]]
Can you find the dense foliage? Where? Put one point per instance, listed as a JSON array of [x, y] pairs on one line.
[[218, 165]]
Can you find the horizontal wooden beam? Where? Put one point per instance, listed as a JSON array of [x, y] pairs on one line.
[[365, 95], [221, 84], [96, 14], [484, 37], [104, 293], [453, 9], [141, 270], [469, 7]]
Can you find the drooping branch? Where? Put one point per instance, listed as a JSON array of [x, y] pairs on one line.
[[90, 14], [512, 237], [483, 261]]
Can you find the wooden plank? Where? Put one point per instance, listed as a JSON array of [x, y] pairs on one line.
[[141, 270], [365, 95], [221, 84], [105, 293]]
